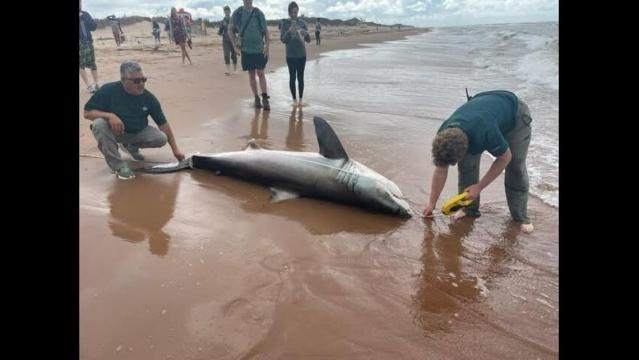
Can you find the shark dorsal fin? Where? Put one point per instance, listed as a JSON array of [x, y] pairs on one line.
[[252, 145], [329, 144]]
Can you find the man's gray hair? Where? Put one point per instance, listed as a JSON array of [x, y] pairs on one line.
[[128, 67]]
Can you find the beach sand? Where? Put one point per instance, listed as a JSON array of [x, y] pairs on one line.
[[196, 266], [192, 94]]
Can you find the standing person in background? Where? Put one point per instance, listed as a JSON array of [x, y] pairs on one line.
[[294, 33], [253, 42], [87, 53], [179, 34], [167, 28], [156, 31], [187, 22], [116, 28], [318, 29], [202, 27], [227, 42]]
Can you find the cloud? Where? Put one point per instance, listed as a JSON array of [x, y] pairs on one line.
[[419, 6], [410, 12]]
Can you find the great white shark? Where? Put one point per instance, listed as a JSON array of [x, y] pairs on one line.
[[329, 174]]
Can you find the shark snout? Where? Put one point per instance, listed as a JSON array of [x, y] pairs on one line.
[[404, 209]]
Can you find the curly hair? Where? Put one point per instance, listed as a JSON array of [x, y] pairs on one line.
[[449, 147]]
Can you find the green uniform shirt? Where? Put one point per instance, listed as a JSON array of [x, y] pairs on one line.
[[486, 119], [132, 110]]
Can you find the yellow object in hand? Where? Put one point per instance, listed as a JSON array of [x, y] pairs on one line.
[[455, 203]]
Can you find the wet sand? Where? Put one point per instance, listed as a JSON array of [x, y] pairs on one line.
[[196, 266]]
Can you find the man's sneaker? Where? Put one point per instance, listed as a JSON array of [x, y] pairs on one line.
[[258, 104], [135, 153], [265, 103], [124, 173], [93, 88]]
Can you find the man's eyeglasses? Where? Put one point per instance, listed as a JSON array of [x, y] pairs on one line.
[[138, 80]]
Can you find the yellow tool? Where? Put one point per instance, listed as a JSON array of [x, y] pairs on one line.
[[455, 203]]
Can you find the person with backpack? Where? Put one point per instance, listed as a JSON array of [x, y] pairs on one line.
[[250, 35]]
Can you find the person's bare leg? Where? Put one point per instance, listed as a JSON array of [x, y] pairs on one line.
[[260, 74], [252, 82], [83, 75], [94, 74], [184, 52], [265, 103]]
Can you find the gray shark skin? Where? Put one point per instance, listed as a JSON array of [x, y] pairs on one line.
[[329, 174]]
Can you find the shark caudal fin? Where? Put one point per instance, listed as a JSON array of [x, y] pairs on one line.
[[168, 167]]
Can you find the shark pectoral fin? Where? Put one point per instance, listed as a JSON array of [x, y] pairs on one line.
[[278, 195], [329, 144]]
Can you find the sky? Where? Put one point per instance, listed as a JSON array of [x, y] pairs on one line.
[[423, 13]]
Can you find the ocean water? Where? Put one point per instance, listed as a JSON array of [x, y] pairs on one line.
[[388, 98]]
